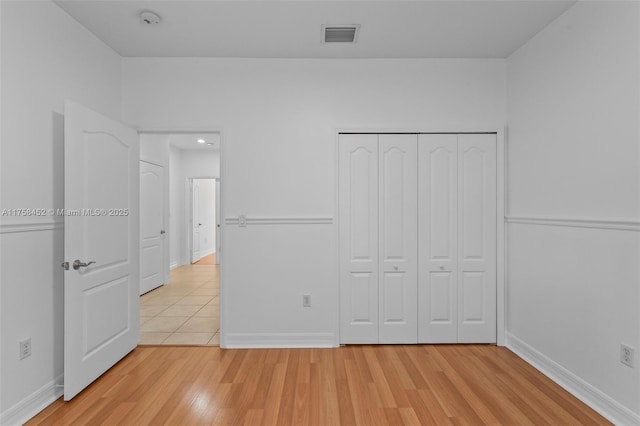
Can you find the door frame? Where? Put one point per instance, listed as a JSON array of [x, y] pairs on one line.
[[221, 179], [501, 207]]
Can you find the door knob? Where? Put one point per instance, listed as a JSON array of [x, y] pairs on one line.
[[77, 264], [395, 267], [162, 232], [441, 267]]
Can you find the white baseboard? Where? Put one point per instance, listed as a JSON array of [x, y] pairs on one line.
[[173, 265], [593, 397], [24, 410], [278, 340]]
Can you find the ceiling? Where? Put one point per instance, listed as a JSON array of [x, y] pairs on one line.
[[189, 141], [292, 29]]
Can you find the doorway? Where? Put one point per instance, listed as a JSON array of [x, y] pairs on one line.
[[185, 310]]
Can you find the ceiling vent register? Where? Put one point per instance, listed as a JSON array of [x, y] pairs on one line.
[[340, 34]]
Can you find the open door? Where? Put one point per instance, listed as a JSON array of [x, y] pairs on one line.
[[101, 248], [218, 254], [152, 232], [195, 221]]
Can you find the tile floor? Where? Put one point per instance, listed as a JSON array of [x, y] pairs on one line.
[[184, 312]]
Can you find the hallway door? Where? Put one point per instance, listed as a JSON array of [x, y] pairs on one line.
[[195, 221], [152, 227], [101, 245]]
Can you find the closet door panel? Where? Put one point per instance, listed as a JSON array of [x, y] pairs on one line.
[[437, 236], [358, 179], [398, 238], [477, 238]]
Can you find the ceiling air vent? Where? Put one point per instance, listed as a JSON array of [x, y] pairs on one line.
[[340, 33]]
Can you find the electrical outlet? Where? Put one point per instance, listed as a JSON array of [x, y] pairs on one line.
[[25, 348], [626, 355], [306, 300]]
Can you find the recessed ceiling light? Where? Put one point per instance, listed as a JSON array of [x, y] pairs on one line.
[[210, 143], [150, 18], [201, 141]]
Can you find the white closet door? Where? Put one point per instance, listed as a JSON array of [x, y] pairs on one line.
[[398, 168], [476, 238], [437, 225], [358, 168]]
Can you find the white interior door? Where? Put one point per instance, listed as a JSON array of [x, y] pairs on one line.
[[152, 230], [206, 215], [477, 238], [398, 228], [358, 180], [218, 229], [195, 221], [101, 311], [457, 234], [437, 225]]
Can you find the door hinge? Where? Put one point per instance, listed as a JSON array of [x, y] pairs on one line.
[[65, 266]]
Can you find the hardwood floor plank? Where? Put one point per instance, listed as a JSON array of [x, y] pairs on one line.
[[393, 371], [412, 369], [118, 414], [346, 410], [420, 409], [355, 385], [393, 417], [253, 417], [379, 379], [287, 399], [409, 416], [473, 388], [273, 398]]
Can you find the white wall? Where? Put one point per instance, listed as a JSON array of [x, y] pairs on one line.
[[186, 164], [573, 132], [279, 119], [154, 148], [46, 57], [201, 164]]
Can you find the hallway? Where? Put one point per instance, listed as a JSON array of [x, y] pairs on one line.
[[186, 311]]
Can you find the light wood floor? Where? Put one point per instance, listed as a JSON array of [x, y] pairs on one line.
[[353, 385], [187, 310], [207, 260]]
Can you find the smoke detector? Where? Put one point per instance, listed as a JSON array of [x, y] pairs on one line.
[[150, 18]]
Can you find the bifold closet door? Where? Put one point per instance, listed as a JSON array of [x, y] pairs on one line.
[[358, 198], [378, 238], [457, 238], [477, 229], [438, 217], [398, 231]]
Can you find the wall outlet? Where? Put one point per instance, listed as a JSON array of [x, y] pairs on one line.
[[25, 348], [626, 355], [306, 300]]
